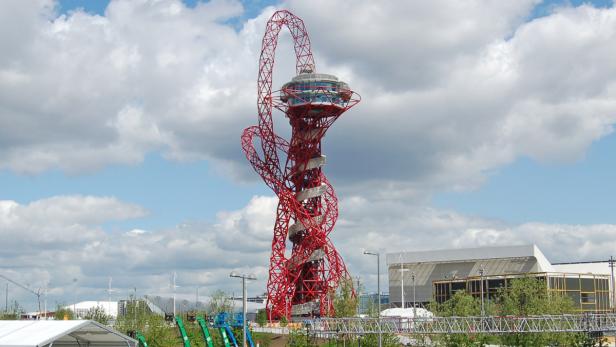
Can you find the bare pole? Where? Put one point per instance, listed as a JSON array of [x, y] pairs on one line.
[[611, 262], [358, 296], [414, 303], [174, 286], [244, 277], [378, 286], [109, 296], [37, 293], [45, 302], [402, 285], [481, 270]]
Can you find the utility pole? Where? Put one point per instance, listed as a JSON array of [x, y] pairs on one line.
[[6, 299], [402, 285], [109, 296], [197, 299], [75, 298], [358, 296], [481, 270], [45, 301], [135, 303], [611, 262], [174, 286], [37, 293], [414, 303], [378, 286], [244, 277]]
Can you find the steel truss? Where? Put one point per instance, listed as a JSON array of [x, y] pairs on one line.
[[592, 323], [301, 282]]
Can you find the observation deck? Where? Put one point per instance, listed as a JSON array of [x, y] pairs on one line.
[[315, 95]]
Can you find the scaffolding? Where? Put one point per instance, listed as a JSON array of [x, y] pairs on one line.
[[589, 323]]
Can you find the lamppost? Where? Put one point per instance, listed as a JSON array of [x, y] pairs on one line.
[[481, 270], [611, 263], [402, 269], [414, 303], [244, 277], [174, 287], [378, 286]]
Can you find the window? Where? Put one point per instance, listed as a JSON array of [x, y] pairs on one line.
[[457, 286], [572, 283], [588, 298], [496, 283], [588, 284]]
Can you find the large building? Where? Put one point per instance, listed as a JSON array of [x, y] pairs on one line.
[[437, 275]]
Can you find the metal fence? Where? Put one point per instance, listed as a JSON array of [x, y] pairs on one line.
[[604, 323]]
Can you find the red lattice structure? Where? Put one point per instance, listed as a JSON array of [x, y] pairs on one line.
[[305, 268]]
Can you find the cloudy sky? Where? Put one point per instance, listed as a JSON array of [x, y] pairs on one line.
[[482, 123]]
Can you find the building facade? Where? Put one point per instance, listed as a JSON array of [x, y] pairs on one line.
[[415, 275], [588, 292]]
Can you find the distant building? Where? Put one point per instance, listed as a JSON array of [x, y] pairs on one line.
[[124, 306], [437, 275], [80, 309]]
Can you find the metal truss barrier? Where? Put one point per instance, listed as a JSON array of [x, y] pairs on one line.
[[591, 323]]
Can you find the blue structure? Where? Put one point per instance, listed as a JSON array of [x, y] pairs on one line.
[[238, 322], [221, 322]]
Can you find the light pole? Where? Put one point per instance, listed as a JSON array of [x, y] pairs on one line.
[[481, 270], [402, 269], [244, 277], [378, 286], [174, 287], [414, 303], [611, 262]]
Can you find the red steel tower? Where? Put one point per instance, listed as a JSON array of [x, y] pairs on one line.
[[303, 278]]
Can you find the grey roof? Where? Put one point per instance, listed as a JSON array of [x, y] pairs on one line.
[[471, 254], [429, 266]]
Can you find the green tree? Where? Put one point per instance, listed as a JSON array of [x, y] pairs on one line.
[[219, 302], [156, 331], [529, 296], [300, 338], [63, 313], [345, 301], [98, 314], [461, 304], [261, 317], [13, 312], [372, 340]]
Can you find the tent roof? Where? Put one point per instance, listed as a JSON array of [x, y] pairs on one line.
[[61, 333]]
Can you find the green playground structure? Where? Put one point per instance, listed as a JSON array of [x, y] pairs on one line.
[[180, 323], [206, 332], [141, 339], [225, 337]]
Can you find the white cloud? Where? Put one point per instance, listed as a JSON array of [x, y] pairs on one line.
[[449, 92], [60, 239], [53, 241]]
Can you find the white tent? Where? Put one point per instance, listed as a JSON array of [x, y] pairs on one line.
[[408, 312], [44, 333]]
